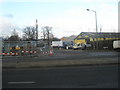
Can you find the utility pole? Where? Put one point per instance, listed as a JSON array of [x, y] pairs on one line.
[[36, 30]]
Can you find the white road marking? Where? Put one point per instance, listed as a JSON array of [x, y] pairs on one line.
[[28, 82]]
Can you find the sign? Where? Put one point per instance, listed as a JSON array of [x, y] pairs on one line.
[[17, 47]]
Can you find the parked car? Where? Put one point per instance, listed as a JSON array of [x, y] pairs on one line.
[[81, 46], [69, 47], [77, 46]]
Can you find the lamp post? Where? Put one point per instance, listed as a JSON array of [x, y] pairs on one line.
[[95, 25]]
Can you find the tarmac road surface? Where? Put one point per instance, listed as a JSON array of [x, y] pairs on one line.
[[101, 76]]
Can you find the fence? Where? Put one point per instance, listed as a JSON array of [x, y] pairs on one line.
[[101, 45], [24, 48], [0, 63]]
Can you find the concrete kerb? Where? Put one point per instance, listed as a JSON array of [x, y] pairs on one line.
[[61, 63]]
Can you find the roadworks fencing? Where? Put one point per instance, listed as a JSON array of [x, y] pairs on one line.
[[24, 48]]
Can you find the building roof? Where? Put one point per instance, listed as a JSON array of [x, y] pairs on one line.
[[69, 39], [63, 38], [99, 35]]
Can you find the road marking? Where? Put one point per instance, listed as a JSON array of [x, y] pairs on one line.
[[29, 82]]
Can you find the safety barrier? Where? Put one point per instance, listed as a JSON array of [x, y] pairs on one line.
[[50, 53], [18, 54], [29, 51], [47, 52], [8, 54], [25, 48]]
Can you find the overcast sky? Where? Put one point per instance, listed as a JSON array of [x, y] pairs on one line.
[[67, 17]]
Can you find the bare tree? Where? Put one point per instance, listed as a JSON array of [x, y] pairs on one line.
[[47, 33], [29, 33], [44, 32], [51, 36]]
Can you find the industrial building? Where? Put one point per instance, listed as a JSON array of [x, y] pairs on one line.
[[99, 40], [68, 40]]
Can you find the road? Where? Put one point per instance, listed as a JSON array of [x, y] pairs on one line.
[[104, 76], [65, 55]]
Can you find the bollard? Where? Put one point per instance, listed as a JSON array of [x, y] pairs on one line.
[[51, 52]]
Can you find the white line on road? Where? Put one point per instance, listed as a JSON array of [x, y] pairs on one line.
[[28, 82]]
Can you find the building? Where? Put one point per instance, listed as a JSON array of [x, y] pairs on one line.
[[68, 40], [100, 40]]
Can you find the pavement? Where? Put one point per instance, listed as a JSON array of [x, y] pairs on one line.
[[60, 63], [98, 58]]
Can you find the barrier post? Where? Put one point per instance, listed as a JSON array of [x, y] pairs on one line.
[[51, 52], [1, 42]]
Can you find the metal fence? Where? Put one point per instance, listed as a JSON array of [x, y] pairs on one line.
[[0, 63], [24, 48]]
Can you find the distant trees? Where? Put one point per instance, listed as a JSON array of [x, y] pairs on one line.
[[47, 33], [44, 33], [14, 36], [55, 39], [29, 33]]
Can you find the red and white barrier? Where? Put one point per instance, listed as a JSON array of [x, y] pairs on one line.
[[46, 52], [15, 54], [8, 54], [29, 52], [50, 53]]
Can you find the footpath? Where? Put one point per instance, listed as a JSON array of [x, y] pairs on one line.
[[32, 63], [60, 63]]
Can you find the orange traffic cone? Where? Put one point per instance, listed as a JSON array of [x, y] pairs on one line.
[[51, 52]]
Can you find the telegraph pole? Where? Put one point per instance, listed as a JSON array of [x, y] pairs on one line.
[[36, 30]]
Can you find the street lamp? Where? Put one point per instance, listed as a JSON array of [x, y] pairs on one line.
[[95, 24]]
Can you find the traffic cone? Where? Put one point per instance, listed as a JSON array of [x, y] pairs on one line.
[[51, 52]]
